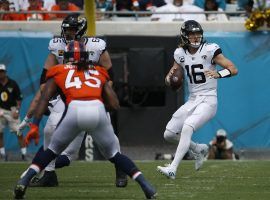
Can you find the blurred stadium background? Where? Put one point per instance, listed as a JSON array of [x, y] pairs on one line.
[[142, 53]]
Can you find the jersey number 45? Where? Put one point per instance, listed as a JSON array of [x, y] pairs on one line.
[[74, 81]]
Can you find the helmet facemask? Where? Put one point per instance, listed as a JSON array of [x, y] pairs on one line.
[[68, 33], [73, 28], [195, 39]]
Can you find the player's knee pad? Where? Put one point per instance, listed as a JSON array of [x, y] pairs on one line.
[[171, 136]]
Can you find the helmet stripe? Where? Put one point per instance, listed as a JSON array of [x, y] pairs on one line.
[[77, 51]]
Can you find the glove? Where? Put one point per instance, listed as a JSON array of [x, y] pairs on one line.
[[25, 122], [32, 134]]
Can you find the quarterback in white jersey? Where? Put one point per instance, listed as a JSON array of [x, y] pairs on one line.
[[195, 65], [73, 28], [198, 60]]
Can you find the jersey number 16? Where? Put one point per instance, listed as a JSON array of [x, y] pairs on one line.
[[194, 75]]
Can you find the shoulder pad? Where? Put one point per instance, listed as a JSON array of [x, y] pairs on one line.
[[211, 46], [56, 43], [179, 55], [96, 43]]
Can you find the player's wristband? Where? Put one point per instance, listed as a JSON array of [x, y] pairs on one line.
[[27, 119], [224, 73]]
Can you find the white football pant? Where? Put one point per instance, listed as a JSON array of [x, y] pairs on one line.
[[54, 118], [195, 113], [87, 116]]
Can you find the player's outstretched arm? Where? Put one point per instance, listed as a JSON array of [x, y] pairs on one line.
[[226, 64], [50, 61], [229, 68], [33, 105], [47, 93]]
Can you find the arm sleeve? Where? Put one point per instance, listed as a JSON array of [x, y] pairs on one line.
[[110, 72], [43, 76], [217, 52]]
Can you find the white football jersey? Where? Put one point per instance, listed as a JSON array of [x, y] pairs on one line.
[[194, 67], [94, 46]]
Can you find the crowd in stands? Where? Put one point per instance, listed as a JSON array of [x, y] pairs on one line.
[[180, 7], [38, 5]]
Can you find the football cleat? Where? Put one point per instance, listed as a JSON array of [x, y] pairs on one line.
[[121, 182], [19, 191], [121, 178], [49, 179], [167, 171], [200, 157]]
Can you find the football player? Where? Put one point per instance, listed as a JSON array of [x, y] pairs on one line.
[[198, 59], [82, 85], [73, 28]]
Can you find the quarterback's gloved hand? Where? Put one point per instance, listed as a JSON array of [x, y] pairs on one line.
[[32, 134], [25, 122]]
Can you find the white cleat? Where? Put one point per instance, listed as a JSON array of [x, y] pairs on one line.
[[167, 171], [200, 157]]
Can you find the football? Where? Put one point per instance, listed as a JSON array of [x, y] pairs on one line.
[[177, 78]]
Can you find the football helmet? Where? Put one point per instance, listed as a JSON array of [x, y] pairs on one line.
[[191, 26], [75, 53], [73, 27]]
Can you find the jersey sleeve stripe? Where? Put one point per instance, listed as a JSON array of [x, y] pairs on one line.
[[217, 52]]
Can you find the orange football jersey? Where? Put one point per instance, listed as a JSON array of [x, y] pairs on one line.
[[79, 85]]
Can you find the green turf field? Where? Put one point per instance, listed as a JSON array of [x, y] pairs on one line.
[[217, 180]]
